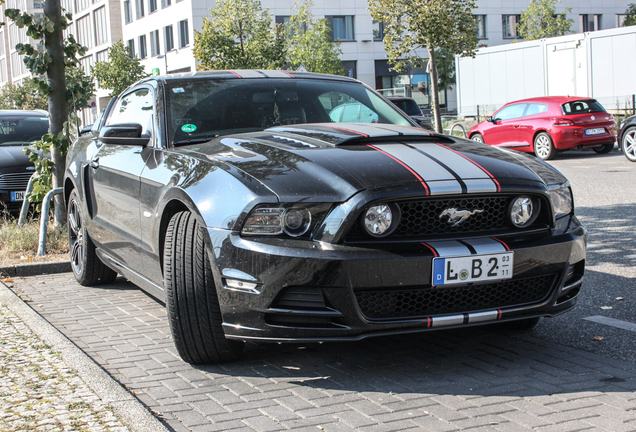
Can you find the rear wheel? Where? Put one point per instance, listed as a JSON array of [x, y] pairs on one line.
[[544, 147], [191, 299], [628, 144], [604, 148], [87, 267], [477, 138]]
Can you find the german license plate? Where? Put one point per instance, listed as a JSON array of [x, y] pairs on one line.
[[472, 268], [595, 131], [17, 196]]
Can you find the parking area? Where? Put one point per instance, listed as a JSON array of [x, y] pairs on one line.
[[481, 380]]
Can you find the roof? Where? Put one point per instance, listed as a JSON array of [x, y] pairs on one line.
[[554, 99], [24, 113], [249, 74]]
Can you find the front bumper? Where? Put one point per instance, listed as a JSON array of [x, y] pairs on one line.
[[296, 291]]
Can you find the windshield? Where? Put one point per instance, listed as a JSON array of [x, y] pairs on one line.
[[409, 106], [199, 109], [22, 130]]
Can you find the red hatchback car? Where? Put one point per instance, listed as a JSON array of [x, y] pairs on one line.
[[546, 125]]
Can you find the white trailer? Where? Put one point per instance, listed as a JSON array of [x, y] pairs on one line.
[[595, 64]]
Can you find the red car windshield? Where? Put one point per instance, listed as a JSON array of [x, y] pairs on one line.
[[582, 107]]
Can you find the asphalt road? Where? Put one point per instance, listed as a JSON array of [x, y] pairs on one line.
[[605, 202]]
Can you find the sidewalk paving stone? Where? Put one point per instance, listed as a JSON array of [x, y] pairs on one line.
[[474, 379]]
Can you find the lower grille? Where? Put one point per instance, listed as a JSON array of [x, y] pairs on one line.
[[426, 301], [15, 181]]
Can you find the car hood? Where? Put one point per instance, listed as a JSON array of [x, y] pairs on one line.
[[12, 156], [323, 162]]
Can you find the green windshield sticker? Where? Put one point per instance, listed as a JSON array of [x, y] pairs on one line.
[[188, 128]]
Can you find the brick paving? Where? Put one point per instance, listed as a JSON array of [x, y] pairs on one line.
[[477, 380]]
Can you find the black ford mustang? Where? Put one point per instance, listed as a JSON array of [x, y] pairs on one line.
[[238, 198]]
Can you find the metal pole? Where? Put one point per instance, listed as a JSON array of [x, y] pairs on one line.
[[25, 203], [44, 219]]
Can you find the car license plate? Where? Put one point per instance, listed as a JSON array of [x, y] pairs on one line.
[[472, 268], [595, 131], [17, 196]]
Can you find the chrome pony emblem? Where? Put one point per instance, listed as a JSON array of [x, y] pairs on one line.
[[455, 217]]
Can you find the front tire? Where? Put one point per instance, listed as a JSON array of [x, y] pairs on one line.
[[191, 299], [477, 138], [86, 265], [628, 144], [544, 147], [604, 148]]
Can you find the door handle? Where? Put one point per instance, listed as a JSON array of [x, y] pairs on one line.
[[94, 163]]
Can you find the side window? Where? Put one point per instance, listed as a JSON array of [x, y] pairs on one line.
[[135, 107], [535, 108], [344, 108], [511, 112]]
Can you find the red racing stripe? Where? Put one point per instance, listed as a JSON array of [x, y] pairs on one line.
[[499, 314], [432, 249], [288, 73], [421, 180], [232, 72], [504, 244], [349, 130], [492, 177], [429, 322]]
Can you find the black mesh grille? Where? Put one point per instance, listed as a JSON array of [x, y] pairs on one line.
[[426, 301], [422, 218]]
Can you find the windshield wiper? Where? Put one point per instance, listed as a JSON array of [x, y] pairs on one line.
[[194, 140]]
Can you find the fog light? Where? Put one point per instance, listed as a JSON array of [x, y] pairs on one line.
[[523, 211], [380, 220]]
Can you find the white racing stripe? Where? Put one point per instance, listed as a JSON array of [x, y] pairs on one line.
[[425, 167], [449, 248], [486, 246]]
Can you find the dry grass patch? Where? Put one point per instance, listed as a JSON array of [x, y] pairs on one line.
[[19, 245]]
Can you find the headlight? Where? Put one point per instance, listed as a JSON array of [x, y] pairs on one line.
[[524, 211], [561, 201], [292, 219], [380, 220]]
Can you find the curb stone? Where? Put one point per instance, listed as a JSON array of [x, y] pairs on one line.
[[33, 269], [129, 410]]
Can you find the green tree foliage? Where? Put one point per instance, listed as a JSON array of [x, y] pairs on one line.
[[239, 35], [120, 71], [309, 42], [24, 96], [540, 21], [58, 54], [436, 25], [630, 13]]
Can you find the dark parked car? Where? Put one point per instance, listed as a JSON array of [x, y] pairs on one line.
[[413, 110], [547, 125], [627, 138], [17, 130], [234, 197]]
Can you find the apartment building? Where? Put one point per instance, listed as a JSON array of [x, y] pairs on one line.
[[161, 34]]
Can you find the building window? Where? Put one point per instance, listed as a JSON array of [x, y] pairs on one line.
[[131, 47], [101, 32], [127, 12], [139, 6], [184, 36], [38, 4], [165, 3], [103, 55], [589, 22], [84, 36], [154, 43], [350, 68], [341, 27], [620, 20], [80, 5], [378, 30], [143, 53], [168, 38], [481, 26], [282, 19], [152, 6], [509, 25]]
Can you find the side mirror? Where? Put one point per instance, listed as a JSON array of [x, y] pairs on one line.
[[123, 134], [86, 129]]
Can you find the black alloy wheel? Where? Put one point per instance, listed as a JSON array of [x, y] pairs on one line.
[[86, 265]]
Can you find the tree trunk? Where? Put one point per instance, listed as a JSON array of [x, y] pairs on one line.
[[437, 118], [58, 105]]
